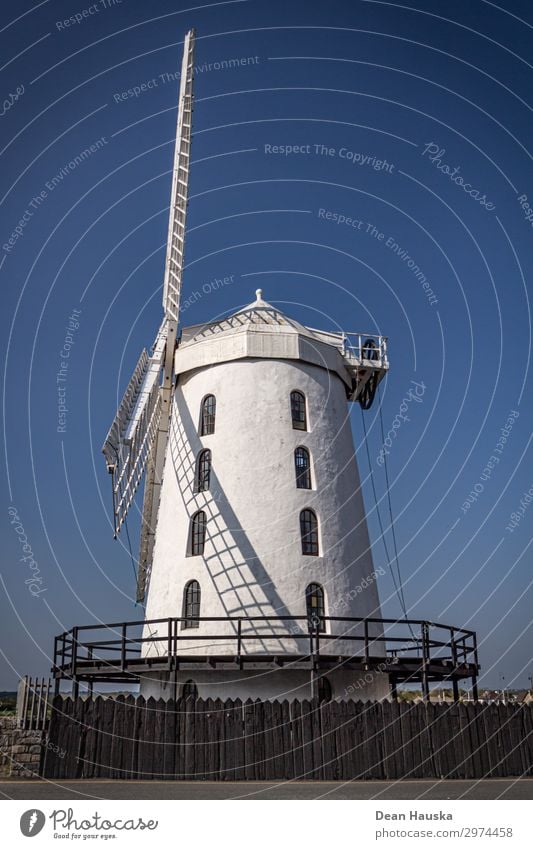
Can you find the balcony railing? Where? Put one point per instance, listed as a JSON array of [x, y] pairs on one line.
[[425, 650]]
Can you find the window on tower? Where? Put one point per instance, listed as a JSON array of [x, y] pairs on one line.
[[302, 464], [298, 413], [197, 533], [316, 609], [203, 471], [309, 532], [191, 605], [207, 417]]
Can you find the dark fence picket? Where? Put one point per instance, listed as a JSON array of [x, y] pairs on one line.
[[180, 736], [72, 710], [137, 725], [526, 732], [306, 731], [55, 748], [248, 719], [129, 737]]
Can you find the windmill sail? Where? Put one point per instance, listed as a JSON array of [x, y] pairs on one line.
[[137, 440], [180, 186]]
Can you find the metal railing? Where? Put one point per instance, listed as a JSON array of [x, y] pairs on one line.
[[366, 347], [121, 645]]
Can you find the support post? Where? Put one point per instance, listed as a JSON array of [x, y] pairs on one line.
[[175, 682], [455, 684], [123, 648], [425, 661], [74, 658], [475, 694], [393, 688], [239, 643]]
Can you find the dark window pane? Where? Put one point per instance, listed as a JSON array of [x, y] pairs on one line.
[[309, 532], [203, 471], [207, 423], [299, 419], [191, 605], [303, 468], [314, 601], [197, 539]]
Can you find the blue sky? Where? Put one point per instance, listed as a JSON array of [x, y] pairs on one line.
[[411, 121]]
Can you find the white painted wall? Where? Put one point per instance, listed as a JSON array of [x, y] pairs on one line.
[[252, 564]]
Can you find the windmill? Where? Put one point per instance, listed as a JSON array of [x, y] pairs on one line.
[[255, 563], [137, 439]]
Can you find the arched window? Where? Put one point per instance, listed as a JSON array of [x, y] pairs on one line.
[[302, 464], [309, 532], [315, 606], [190, 690], [191, 605], [203, 471], [207, 416], [197, 533], [299, 418], [323, 689]]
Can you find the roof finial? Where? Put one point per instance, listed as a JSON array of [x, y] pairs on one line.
[[259, 294]]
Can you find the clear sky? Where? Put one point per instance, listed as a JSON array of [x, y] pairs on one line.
[[366, 164]]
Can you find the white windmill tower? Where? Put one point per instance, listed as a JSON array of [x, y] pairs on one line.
[[255, 559]]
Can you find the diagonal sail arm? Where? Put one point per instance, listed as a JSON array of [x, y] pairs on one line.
[[180, 185], [171, 304]]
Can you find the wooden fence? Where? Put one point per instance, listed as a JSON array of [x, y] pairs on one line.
[[133, 738]]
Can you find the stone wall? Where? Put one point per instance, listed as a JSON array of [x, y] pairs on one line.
[[20, 750]]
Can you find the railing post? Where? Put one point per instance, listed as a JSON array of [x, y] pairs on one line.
[[425, 661], [455, 685], [74, 657], [123, 648], [453, 647], [239, 642], [169, 642], [367, 652]]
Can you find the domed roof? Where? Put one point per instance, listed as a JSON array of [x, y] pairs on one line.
[[259, 314]]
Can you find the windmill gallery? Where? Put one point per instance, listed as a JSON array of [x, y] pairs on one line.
[[242, 665]]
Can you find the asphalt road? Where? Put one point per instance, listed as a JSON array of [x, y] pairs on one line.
[[496, 788]]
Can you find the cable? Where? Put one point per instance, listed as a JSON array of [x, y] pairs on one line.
[[393, 529], [400, 598], [390, 502]]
